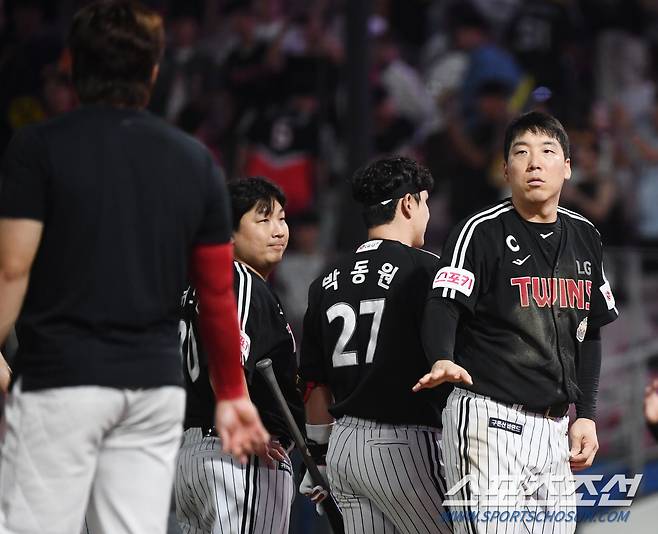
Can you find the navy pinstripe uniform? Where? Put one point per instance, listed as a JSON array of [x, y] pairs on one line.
[[214, 493], [362, 340], [527, 294]]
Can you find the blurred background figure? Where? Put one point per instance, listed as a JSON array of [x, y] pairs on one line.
[[393, 133], [593, 192], [305, 259], [403, 84], [283, 142], [188, 73], [487, 60]]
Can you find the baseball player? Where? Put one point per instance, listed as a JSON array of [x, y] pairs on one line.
[[213, 492], [361, 354], [520, 297]]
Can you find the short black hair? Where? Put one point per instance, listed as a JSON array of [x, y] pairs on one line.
[[114, 47], [536, 122], [385, 176], [246, 193]]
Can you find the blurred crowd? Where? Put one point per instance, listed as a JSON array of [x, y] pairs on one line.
[[262, 83]]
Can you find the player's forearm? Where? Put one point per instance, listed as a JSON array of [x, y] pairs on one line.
[[439, 329], [317, 405], [12, 292], [19, 241], [212, 274], [589, 369]]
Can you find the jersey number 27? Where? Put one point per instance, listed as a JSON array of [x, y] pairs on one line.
[[375, 307]]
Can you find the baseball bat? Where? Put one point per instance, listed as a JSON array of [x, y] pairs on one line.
[[329, 504]]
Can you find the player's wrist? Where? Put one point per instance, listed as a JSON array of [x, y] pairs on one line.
[[318, 442], [225, 392], [585, 419], [442, 362]]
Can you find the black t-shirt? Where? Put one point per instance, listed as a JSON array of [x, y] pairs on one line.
[[362, 334], [527, 310], [264, 333], [123, 198]]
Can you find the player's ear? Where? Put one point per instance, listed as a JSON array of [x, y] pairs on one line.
[[567, 169], [406, 205], [505, 171]]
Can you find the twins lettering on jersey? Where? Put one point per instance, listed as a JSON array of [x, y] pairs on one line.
[[547, 291], [386, 274], [569, 293]]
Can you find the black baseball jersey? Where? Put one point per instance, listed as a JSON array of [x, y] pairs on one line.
[[531, 291], [264, 333], [362, 334]]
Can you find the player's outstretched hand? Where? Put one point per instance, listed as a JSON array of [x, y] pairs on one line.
[[316, 493], [240, 428], [651, 403], [443, 371], [584, 443]]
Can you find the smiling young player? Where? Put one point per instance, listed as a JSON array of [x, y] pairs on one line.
[[214, 493], [513, 317]]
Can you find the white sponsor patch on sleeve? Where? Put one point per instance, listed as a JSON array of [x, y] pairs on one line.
[[370, 245], [453, 278], [245, 346], [607, 295]]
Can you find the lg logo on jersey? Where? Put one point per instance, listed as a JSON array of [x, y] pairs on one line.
[[585, 268]]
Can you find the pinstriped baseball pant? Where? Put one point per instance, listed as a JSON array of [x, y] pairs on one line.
[[215, 494], [387, 478], [501, 448]]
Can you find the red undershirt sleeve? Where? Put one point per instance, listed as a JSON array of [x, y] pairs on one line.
[[212, 275]]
